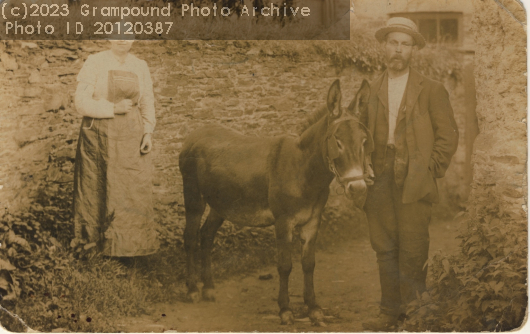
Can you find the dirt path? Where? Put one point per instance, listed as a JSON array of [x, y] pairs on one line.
[[346, 283]]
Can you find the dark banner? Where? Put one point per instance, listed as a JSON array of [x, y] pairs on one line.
[[175, 20]]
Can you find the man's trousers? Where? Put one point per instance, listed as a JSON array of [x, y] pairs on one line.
[[399, 233]]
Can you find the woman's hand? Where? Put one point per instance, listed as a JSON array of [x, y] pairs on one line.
[[123, 107], [147, 144]]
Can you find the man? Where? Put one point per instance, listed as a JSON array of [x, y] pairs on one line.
[[415, 136]]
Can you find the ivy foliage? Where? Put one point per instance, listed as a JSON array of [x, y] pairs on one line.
[[364, 53], [484, 287]]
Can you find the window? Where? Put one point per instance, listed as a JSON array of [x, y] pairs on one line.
[[448, 30], [428, 29], [437, 27]]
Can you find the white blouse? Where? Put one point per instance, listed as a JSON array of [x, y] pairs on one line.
[[92, 88]]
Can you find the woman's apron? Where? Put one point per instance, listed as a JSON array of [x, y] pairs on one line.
[[112, 184]]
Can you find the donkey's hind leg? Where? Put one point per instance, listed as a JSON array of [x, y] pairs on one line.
[[208, 231], [194, 205]]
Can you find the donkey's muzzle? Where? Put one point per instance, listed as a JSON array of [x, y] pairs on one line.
[[357, 191]]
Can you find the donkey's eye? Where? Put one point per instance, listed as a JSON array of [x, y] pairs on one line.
[[339, 145]]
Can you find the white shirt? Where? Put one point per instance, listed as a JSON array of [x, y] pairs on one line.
[[396, 89], [92, 88]]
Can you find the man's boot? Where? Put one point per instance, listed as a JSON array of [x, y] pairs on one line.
[[382, 323]]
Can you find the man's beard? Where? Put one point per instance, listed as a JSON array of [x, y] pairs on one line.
[[398, 63]]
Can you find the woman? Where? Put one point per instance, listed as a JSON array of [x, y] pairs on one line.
[[112, 182]]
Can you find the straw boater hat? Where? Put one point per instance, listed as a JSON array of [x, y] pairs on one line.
[[401, 24]]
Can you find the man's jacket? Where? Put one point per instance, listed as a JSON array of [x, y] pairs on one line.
[[431, 134]]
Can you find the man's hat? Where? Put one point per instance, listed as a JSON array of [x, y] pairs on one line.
[[401, 24]]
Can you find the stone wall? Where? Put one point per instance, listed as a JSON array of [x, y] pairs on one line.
[[500, 150], [258, 88]]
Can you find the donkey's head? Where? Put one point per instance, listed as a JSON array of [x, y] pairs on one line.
[[348, 142]]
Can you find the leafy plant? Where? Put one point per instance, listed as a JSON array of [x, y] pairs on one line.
[[48, 284], [484, 287]]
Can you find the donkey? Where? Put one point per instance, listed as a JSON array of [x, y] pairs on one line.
[[282, 180]]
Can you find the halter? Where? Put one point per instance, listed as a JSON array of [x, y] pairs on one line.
[[332, 151]]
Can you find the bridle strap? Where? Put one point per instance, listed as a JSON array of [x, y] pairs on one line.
[[351, 179], [332, 128], [343, 181]]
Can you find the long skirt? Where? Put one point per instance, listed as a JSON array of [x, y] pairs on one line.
[[113, 204]]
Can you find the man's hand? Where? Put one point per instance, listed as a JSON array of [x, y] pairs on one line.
[[147, 144], [432, 167], [369, 179], [123, 107]]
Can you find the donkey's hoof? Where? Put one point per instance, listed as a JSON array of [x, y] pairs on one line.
[[193, 297], [208, 295], [317, 317], [287, 317]]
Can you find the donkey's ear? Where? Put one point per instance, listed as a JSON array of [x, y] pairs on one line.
[[333, 100], [358, 106], [364, 94]]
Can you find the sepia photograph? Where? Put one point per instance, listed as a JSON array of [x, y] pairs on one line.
[[263, 166]]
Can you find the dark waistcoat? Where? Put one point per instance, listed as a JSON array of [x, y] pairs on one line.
[[381, 135]]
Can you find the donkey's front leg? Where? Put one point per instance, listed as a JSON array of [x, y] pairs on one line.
[[308, 235], [284, 237]]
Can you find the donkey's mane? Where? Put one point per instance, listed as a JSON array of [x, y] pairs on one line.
[[314, 117]]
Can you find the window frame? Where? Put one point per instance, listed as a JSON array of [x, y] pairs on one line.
[[437, 16]]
